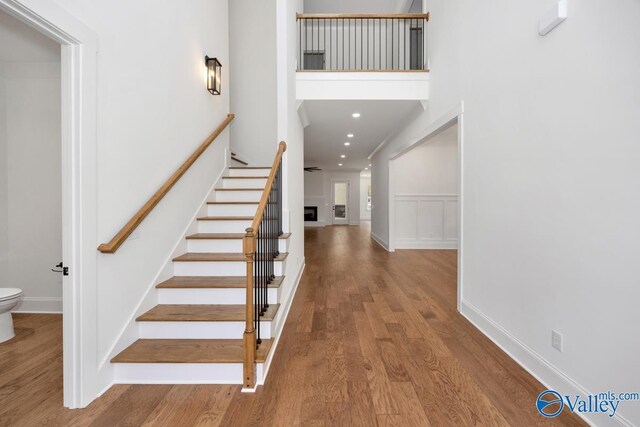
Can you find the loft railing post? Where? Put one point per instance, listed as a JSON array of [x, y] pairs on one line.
[[249, 337]]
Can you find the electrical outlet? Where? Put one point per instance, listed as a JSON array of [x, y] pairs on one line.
[[556, 340]]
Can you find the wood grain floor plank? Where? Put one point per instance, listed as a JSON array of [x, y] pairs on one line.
[[372, 338]]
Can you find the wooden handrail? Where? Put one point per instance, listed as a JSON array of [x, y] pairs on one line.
[[249, 250], [255, 225], [424, 16], [134, 222]]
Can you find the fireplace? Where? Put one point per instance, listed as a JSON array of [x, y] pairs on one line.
[[311, 213]]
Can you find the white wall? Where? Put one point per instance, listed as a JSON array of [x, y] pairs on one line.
[[365, 182], [33, 170], [318, 192], [252, 76], [424, 189], [551, 211], [153, 111], [4, 195], [290, 130]]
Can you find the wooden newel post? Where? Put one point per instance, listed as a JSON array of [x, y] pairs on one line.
[[249, 337]]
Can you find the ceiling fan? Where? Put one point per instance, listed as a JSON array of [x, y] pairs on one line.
[[312, 169]]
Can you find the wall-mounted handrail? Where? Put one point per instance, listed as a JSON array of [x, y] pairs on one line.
[[138, 217], [260, 247]]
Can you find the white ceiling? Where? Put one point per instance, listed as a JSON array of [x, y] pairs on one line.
[[331, 121], [21, 43], [357, 6]]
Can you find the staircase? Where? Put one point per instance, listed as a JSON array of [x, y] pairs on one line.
[[195, 333]]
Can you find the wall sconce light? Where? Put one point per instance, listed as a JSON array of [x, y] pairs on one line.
[[214, 75]]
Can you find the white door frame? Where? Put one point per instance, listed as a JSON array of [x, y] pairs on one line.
[[453, 117], [333, 198], [79, 241]]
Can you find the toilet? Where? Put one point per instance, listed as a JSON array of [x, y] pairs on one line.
[[9, 298]]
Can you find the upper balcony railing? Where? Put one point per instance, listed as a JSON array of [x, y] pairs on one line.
[[362, 42]]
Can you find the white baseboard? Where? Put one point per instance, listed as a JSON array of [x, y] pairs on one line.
[[550, 376], [44, 305], [379, 241], [426, 244]]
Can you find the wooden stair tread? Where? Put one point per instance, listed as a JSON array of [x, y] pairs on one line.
[[218, 256], [226, 236], [214, 282], [189, 351], [225, 218], [202, 313], [245, 177]]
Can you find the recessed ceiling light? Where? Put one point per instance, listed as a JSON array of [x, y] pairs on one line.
[[355, 115], [366, 169], [347, 144], [350, 135], [339, 164], [343, 156], [369, 164]]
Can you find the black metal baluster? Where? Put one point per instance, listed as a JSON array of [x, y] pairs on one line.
[[280, 231], [324, 43], [379, 44], [405, 44], [342, 44], [361, 45]]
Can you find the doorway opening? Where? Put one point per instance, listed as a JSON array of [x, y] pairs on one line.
[[76, 45], [30, 166], [340, 202], [427, 213]]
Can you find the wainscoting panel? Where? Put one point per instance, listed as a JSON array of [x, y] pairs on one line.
[[426, 221]]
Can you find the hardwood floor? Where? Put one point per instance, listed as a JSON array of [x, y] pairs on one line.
[[372, 338]]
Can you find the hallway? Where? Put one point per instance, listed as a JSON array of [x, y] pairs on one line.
[[372, 338]]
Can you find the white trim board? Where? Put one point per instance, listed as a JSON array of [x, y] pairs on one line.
[[79, 206], [381, 242], [42, 305], [550, 376], [315, 224], [425, 244]]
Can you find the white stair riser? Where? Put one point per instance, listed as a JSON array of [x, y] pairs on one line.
[[238, 196], [232, 210], [218, 268], [249, 172], [209, 296], [244, 183], [223, 245], [182, 373], [198, 330], [218, 245], [223, 226]]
